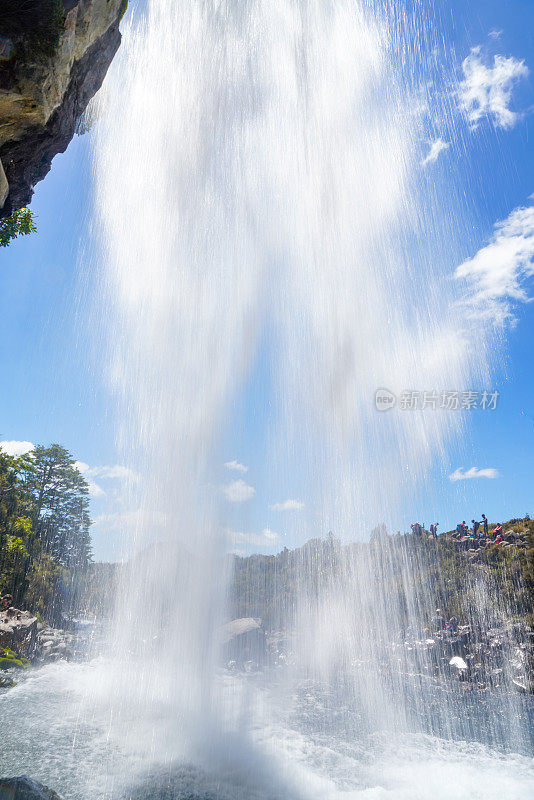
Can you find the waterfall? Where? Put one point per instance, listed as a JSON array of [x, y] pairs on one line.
[[259, 189]]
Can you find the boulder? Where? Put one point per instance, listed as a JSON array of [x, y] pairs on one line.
[[244, 641], [24, 788], [53, 644], [18, 631]]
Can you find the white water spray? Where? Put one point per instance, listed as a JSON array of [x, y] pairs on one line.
[[260, 178]]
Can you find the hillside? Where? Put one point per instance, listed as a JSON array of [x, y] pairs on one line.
[[495, 581]]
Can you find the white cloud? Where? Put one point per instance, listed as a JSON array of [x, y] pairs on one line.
[[495, 34], [105, 472], [94, 489], [111, 472], [267, 538], [460, 475], [116, 472], [235, 465], [486, 91], [15, 448], [238, 491], [437, 147], [288, 505], [270, 535], [498, 272]]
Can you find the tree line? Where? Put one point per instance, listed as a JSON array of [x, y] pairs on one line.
[[44, 527]]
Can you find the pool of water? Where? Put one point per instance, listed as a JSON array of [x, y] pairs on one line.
[[61, 727]]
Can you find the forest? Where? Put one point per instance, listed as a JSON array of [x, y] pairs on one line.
[[44, 529]]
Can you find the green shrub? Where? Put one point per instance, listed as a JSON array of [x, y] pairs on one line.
[[19, 223], [9, 660]]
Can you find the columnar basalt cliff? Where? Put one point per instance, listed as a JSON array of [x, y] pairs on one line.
[[44, 91]]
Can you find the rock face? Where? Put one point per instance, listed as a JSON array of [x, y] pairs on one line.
[[18, 632], [24, 788], [41, 100]]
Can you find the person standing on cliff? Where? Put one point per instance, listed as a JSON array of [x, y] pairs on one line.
[[438, 622], [485, 524]]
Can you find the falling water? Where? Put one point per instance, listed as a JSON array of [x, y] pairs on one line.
[[259, 189]]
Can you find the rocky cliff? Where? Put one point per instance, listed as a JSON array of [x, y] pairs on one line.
[[45, 89], [24, 788]]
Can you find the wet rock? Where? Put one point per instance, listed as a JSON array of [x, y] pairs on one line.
[[54, 644], [244, 642], [23, 788], [18, 631], [458, 663]]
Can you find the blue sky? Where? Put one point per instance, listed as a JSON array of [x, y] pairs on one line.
[[55, 390]]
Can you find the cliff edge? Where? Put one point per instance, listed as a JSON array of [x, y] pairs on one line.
[[53, 59]]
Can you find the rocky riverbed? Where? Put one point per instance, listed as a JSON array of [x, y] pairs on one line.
[[26, 642], [494, 659], [497, 658]]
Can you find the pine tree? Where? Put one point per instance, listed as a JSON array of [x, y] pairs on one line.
[[61, 506]]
